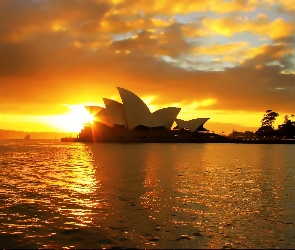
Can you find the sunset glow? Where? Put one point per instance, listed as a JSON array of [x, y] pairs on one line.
[[227, 60], [74, 120]]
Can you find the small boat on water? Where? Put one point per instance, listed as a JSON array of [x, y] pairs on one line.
[[27, 137]]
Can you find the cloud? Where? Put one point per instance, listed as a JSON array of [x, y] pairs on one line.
[[19, 19], [171, 7], [261, 25], [167, 7], [239, 88], [156, 44], [235, 6], [57, 52], [266, 54], [286, 4]]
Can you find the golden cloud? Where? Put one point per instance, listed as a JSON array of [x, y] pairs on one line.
[[287, 4], [235, 6], [172, 7], [193, 30], [169, 7], [241, 53], [221, 49], [261, 25]]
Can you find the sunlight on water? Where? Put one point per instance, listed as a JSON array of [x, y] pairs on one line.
[[75, 195]]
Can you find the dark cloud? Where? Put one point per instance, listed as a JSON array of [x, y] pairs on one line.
[[272, 53], [287, 40], [170, 42]]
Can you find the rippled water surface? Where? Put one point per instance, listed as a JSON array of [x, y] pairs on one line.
[[75, 195]]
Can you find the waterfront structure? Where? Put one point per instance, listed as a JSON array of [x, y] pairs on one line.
[[191, 125], [133, 119]]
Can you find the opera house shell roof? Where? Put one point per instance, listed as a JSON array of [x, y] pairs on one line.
[[133, 112]]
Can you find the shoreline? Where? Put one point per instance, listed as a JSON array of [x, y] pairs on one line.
[[155, 140]]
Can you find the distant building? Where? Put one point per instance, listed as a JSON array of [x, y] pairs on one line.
[[242, 135]]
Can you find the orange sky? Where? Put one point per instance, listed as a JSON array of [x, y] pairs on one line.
[[227, 60]]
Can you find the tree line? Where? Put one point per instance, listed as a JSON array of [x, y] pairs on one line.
[[287, 129]]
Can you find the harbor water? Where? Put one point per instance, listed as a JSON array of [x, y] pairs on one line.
[[108, 195]]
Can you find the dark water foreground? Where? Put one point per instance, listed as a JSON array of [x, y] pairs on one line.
[[74, 195]]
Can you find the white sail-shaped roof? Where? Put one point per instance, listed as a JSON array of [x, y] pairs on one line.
[[135, 109], [115, 112], [161, 118], [151, 121], [133, 112], [167, 116], [199, 122], [192, 125], [181, 123]]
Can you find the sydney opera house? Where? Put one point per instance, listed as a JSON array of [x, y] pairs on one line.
[[132, 121]]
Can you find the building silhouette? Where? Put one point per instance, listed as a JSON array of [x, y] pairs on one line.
[[132, 120]]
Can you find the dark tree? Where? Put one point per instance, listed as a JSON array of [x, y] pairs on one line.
[[287, 118], [269, 118], [267, 121], [287, 129]]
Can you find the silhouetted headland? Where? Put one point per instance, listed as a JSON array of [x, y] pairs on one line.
[[172, 136]]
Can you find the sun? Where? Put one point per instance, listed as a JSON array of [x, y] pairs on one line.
[[75, 119]]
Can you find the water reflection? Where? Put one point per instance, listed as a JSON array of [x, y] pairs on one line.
[[99, 195], [50, 188], [123, 171]]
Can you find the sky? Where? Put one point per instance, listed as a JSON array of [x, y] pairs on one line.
[[226, 60]]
